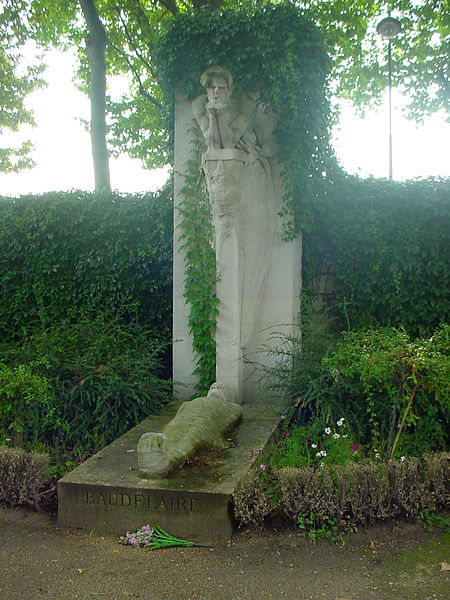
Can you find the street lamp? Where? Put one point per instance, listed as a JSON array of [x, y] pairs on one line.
[[389, 28]]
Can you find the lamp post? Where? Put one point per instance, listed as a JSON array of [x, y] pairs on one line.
[[389, 28]]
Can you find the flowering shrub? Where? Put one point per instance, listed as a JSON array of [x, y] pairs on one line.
[[314, 446], [394, 389], [259, 455], [391, 389]]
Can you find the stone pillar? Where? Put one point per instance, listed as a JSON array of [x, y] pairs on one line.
[[183, 353]]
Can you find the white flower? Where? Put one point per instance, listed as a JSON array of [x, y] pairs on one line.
[[321, 453], [336, 436], [402, 458], [313, 445], [340, 422], [344, 436], [322, 464], [327, 430]]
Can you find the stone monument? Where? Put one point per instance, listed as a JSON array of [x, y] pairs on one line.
[[258, 283], [137, 479]]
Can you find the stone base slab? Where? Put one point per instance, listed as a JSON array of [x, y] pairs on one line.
[[105, 493]]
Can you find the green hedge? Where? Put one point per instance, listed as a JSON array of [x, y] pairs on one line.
[[67, 253], [387, 245]]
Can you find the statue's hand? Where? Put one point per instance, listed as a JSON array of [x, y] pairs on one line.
[[210, 107]]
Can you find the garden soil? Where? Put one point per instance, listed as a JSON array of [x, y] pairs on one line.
[[40, 560]]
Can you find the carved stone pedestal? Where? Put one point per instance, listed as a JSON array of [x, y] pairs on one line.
[[106, 493]]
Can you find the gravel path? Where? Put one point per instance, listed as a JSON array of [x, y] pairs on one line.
[[39, 560]]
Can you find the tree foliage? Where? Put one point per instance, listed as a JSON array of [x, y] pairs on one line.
[[15, 87], [420, 58]]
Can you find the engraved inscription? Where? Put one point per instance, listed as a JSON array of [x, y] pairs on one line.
[[156, 502]]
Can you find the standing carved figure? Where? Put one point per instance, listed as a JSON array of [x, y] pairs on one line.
[[239, 139]]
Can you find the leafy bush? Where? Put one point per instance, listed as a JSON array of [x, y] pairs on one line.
[[383, 376], [22, 476], [104, 375], [297, 377], [63, 254], [26, 400]]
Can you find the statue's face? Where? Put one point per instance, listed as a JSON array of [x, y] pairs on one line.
[[217, 90]]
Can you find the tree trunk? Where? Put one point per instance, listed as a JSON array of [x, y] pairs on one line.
[[95, 45]]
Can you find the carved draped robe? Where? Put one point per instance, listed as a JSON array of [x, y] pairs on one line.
[[238, 176]]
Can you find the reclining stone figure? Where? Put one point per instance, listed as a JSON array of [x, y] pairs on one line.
[[199, 423]]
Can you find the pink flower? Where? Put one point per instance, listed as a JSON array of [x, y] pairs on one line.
[[262, 467], [261, 451], [355, 448], [252, 454], [285, 433]]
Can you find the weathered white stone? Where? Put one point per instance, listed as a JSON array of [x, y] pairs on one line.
[[182, 350]]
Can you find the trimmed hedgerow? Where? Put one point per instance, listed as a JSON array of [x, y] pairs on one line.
[[385, 244], [251, 500], [22, 476], [355, 494]]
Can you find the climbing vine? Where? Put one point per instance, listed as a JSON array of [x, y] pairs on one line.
[[277, 56], [200, 266]]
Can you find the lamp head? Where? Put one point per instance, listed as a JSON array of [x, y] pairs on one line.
[[389, 27]]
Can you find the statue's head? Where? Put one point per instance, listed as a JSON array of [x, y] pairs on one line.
[[222, 391], [151, 451], [218, 83]]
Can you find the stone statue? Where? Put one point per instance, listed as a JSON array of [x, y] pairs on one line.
[[239, 139], [199, 423]]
